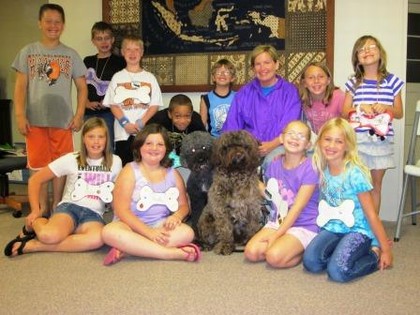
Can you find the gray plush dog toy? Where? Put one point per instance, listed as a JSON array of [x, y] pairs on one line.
[[196, 150]]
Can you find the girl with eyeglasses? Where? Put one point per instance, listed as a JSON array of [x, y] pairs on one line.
[[373, 94], [292, 190]]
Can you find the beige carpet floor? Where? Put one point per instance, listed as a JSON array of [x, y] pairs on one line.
[[77, 283]]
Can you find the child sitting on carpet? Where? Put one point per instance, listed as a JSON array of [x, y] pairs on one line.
[[151, 203], [76, 223]]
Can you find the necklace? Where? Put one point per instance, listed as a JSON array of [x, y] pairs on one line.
[[103, 69]]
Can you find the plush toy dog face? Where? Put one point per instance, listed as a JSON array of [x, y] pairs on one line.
[[196, 151]]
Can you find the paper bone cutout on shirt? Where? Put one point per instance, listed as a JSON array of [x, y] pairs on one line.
[[379, 123], [139, 95], [279, 207], [149, 198], [83, 189], [343, 212]]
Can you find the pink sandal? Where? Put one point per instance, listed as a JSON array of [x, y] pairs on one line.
[[113, 256], [191, 256]]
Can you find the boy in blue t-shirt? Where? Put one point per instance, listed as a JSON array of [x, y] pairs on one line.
[[215, 105]]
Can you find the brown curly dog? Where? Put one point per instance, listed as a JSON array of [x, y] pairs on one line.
[[233, 212]]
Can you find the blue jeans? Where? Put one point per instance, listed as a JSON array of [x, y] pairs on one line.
[[344, 256], [109, 119]]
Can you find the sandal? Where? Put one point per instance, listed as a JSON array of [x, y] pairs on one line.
[[8, 250], [27, 236], [113, 256], [191, 256], [28, 233]]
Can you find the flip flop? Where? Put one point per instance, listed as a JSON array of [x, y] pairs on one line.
[[113, 256], [8, 250], [191, 256]]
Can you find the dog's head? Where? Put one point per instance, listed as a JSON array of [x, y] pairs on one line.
[[196, 150], [236, 151]]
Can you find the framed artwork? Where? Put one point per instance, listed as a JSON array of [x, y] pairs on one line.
[[184, 38]]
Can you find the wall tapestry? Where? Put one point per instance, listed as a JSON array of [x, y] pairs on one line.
[[184, 38]]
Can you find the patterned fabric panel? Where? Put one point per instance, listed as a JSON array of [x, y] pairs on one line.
[[124, 11], [306, 31], [296, 63], [162, 67], [191, 70]]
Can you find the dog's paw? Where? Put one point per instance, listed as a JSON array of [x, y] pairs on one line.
[[224, 248]]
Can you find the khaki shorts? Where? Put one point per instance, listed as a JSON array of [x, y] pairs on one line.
[[45, 144]]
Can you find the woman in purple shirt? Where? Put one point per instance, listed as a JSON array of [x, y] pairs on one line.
[[265, 105]]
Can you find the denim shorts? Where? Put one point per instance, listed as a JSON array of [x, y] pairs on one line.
[[79, 214]]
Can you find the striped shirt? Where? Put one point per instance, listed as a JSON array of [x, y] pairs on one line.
[[372, 92]]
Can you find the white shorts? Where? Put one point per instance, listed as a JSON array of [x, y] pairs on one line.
[[303, 235]]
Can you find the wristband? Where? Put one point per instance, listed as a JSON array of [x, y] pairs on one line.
[[123, 121], [140, 123]]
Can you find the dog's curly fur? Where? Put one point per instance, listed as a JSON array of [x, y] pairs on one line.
[[196, 150], [233, 212]]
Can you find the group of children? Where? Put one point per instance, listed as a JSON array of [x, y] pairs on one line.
[[333, 199]]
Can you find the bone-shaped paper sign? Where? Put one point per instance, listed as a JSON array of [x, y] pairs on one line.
[[83, 189], [140, 94], [379, 123], [279, 207], [343, 212], [149, 198]]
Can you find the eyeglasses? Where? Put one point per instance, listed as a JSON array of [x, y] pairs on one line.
[[219, 73], [365, 49], [296, 135]]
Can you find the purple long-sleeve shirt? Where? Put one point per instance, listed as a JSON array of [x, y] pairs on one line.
[[264, 116]]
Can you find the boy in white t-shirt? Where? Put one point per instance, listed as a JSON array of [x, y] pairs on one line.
[[133, 95]]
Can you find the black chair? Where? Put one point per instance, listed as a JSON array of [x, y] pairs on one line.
[[9, 164]]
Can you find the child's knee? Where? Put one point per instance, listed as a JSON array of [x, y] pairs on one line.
[[50, 235], [312, 264], [336, 273]]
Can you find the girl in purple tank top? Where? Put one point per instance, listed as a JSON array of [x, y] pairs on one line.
[[150, 205]]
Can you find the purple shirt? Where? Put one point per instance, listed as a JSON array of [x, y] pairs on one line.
[[290, 182], [264, 116]]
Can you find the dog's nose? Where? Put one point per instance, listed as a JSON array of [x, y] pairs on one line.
[[238, 158]]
